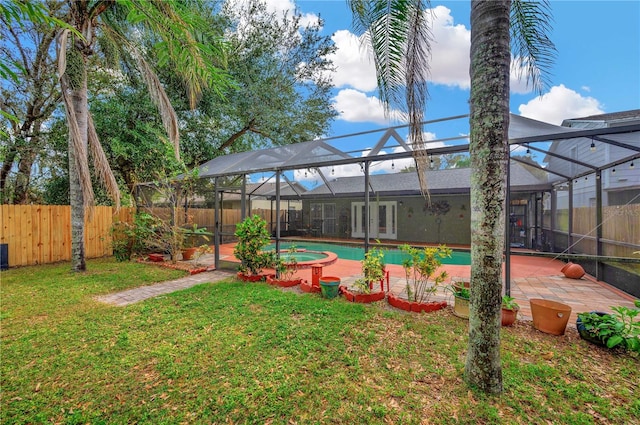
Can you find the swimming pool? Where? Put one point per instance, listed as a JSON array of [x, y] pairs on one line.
[[346, 252]]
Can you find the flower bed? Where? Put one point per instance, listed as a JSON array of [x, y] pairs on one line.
[[415, 307], [357, 297]]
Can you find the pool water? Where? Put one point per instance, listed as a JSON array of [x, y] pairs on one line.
[[301, 256], [391, 256]]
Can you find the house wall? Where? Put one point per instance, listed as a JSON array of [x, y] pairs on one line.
[[416, 221], [446, 221]]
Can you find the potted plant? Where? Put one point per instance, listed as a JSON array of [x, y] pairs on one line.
[[619, 328], [373, 271], [253, 237], [192, 237], [286, 267], [423, 279], [509, 310], [461, 295]]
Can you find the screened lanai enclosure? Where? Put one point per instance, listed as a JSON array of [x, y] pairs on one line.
[[574, 191]]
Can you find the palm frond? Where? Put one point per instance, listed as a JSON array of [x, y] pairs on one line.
[[196, 54], [161, 100], [533, 50], [400, 40], [417, 73], [101, 163]]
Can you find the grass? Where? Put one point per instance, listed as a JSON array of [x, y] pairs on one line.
[[234, 352]]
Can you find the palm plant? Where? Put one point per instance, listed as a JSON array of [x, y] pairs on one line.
[[399, 36], [115, 31]]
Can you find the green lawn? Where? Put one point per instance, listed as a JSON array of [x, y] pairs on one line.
[[234, 352]]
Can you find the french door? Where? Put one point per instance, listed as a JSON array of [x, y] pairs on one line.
[[382, 219]]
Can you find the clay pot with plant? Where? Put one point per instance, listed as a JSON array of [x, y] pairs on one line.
[[373, 271], [461, 295], [510, 310], [253, 237], [193, 236]]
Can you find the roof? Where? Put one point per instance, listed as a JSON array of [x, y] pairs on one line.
[[630, 115], [268, 190], [447, 181], [523, 132]]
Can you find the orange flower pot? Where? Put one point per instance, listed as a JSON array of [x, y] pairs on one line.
[[549, 316]]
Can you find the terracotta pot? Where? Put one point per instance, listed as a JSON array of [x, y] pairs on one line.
[[509, 316], [549, 316], [461, 307], [188, 253], [572, 271]]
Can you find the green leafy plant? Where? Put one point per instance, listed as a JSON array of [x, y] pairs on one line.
[[619, 328], [460, 291], [372, 269], [195, 234], [253, 237], [509, 303], [130, 239], [286, 266], [420, 267]]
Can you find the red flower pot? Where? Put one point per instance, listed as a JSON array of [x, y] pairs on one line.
[[572, 271]]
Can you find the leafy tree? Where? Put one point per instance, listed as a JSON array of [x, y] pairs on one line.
[[281, 93], [30, 96], [400, 39]]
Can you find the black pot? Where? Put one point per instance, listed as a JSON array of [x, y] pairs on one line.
[[588, 336]]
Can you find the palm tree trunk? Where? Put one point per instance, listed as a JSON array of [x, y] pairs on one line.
[[78, 96], [489, 123]]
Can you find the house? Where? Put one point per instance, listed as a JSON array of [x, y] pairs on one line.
[[620, 183], [398, 211]]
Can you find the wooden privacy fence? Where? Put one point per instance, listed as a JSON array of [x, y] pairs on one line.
[[619, 223], [205, 217], [40, 234]]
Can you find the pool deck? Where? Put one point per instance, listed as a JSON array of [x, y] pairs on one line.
[[531, 277]]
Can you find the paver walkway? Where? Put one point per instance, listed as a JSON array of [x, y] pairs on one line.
[[135, 295]]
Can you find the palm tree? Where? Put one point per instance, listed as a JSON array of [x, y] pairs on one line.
[[179, 37], [394, 27]]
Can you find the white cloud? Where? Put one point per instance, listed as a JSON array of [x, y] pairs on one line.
[[355, 106], [354, 66], [279, 7], [558, 104], [449, 63], [449, 50]]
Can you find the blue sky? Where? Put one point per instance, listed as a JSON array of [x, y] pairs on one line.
[[597, 69]]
